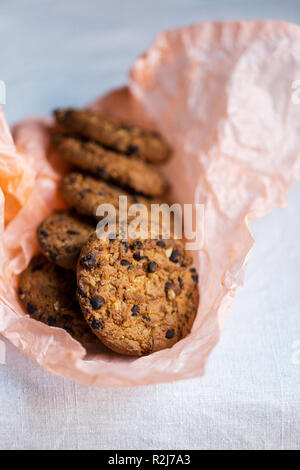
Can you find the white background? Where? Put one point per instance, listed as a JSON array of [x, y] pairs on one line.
[[55, 53]]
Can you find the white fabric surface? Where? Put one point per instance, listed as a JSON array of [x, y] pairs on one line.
[[250, 396]]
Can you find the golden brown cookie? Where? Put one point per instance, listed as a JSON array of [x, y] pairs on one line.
[[124, 138], [85, 194], [129, 172], [138, 296], [48, 294], [61, 236]]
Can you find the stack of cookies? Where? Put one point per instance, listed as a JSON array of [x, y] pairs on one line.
[[137, 295]]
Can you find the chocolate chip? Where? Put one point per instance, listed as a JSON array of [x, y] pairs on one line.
[[52, 255], [102, 172], [125, 262], [51, 321], [180, 282], [95, 324], [170, 334], [73, 232], [31, 308], [161, 243], [88, 261], [84, 191], [168, 286], [152, 266], [37, 267], [195, 276], [135, 310], [20, 292], [125, 244], [81, 292], [137, 256], [130, 268], [136, 244], [43, 233], [146, 318], [96, 303], [175, 256], [132, 149]]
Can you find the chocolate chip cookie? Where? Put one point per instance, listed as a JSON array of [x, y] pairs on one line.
[[85, 194], [124, 138], [131, 172], [61, 236], [48, 294], [138, 296]]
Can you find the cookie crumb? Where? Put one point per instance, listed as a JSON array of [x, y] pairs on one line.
[[135, 310], [96, 303], [95, 324], [152, 267]]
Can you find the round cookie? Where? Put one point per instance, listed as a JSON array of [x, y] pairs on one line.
[[138, 296], [129, 172], [61, 236], [85, 193], [124, 138], [48, 294]]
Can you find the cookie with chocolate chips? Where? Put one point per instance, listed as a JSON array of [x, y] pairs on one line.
[[127, 172], [61, 237], [124, 138], [85, 194], [48, 294], [138, 296]]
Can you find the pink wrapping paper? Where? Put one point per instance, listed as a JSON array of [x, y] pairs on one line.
[[220, 93]]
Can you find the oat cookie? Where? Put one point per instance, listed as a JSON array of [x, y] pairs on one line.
[[131, 172], [61, 236], [48, 294], [85, 193], [138, 296], [124, 138]]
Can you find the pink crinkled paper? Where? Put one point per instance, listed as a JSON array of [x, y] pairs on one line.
[[221, 94]]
